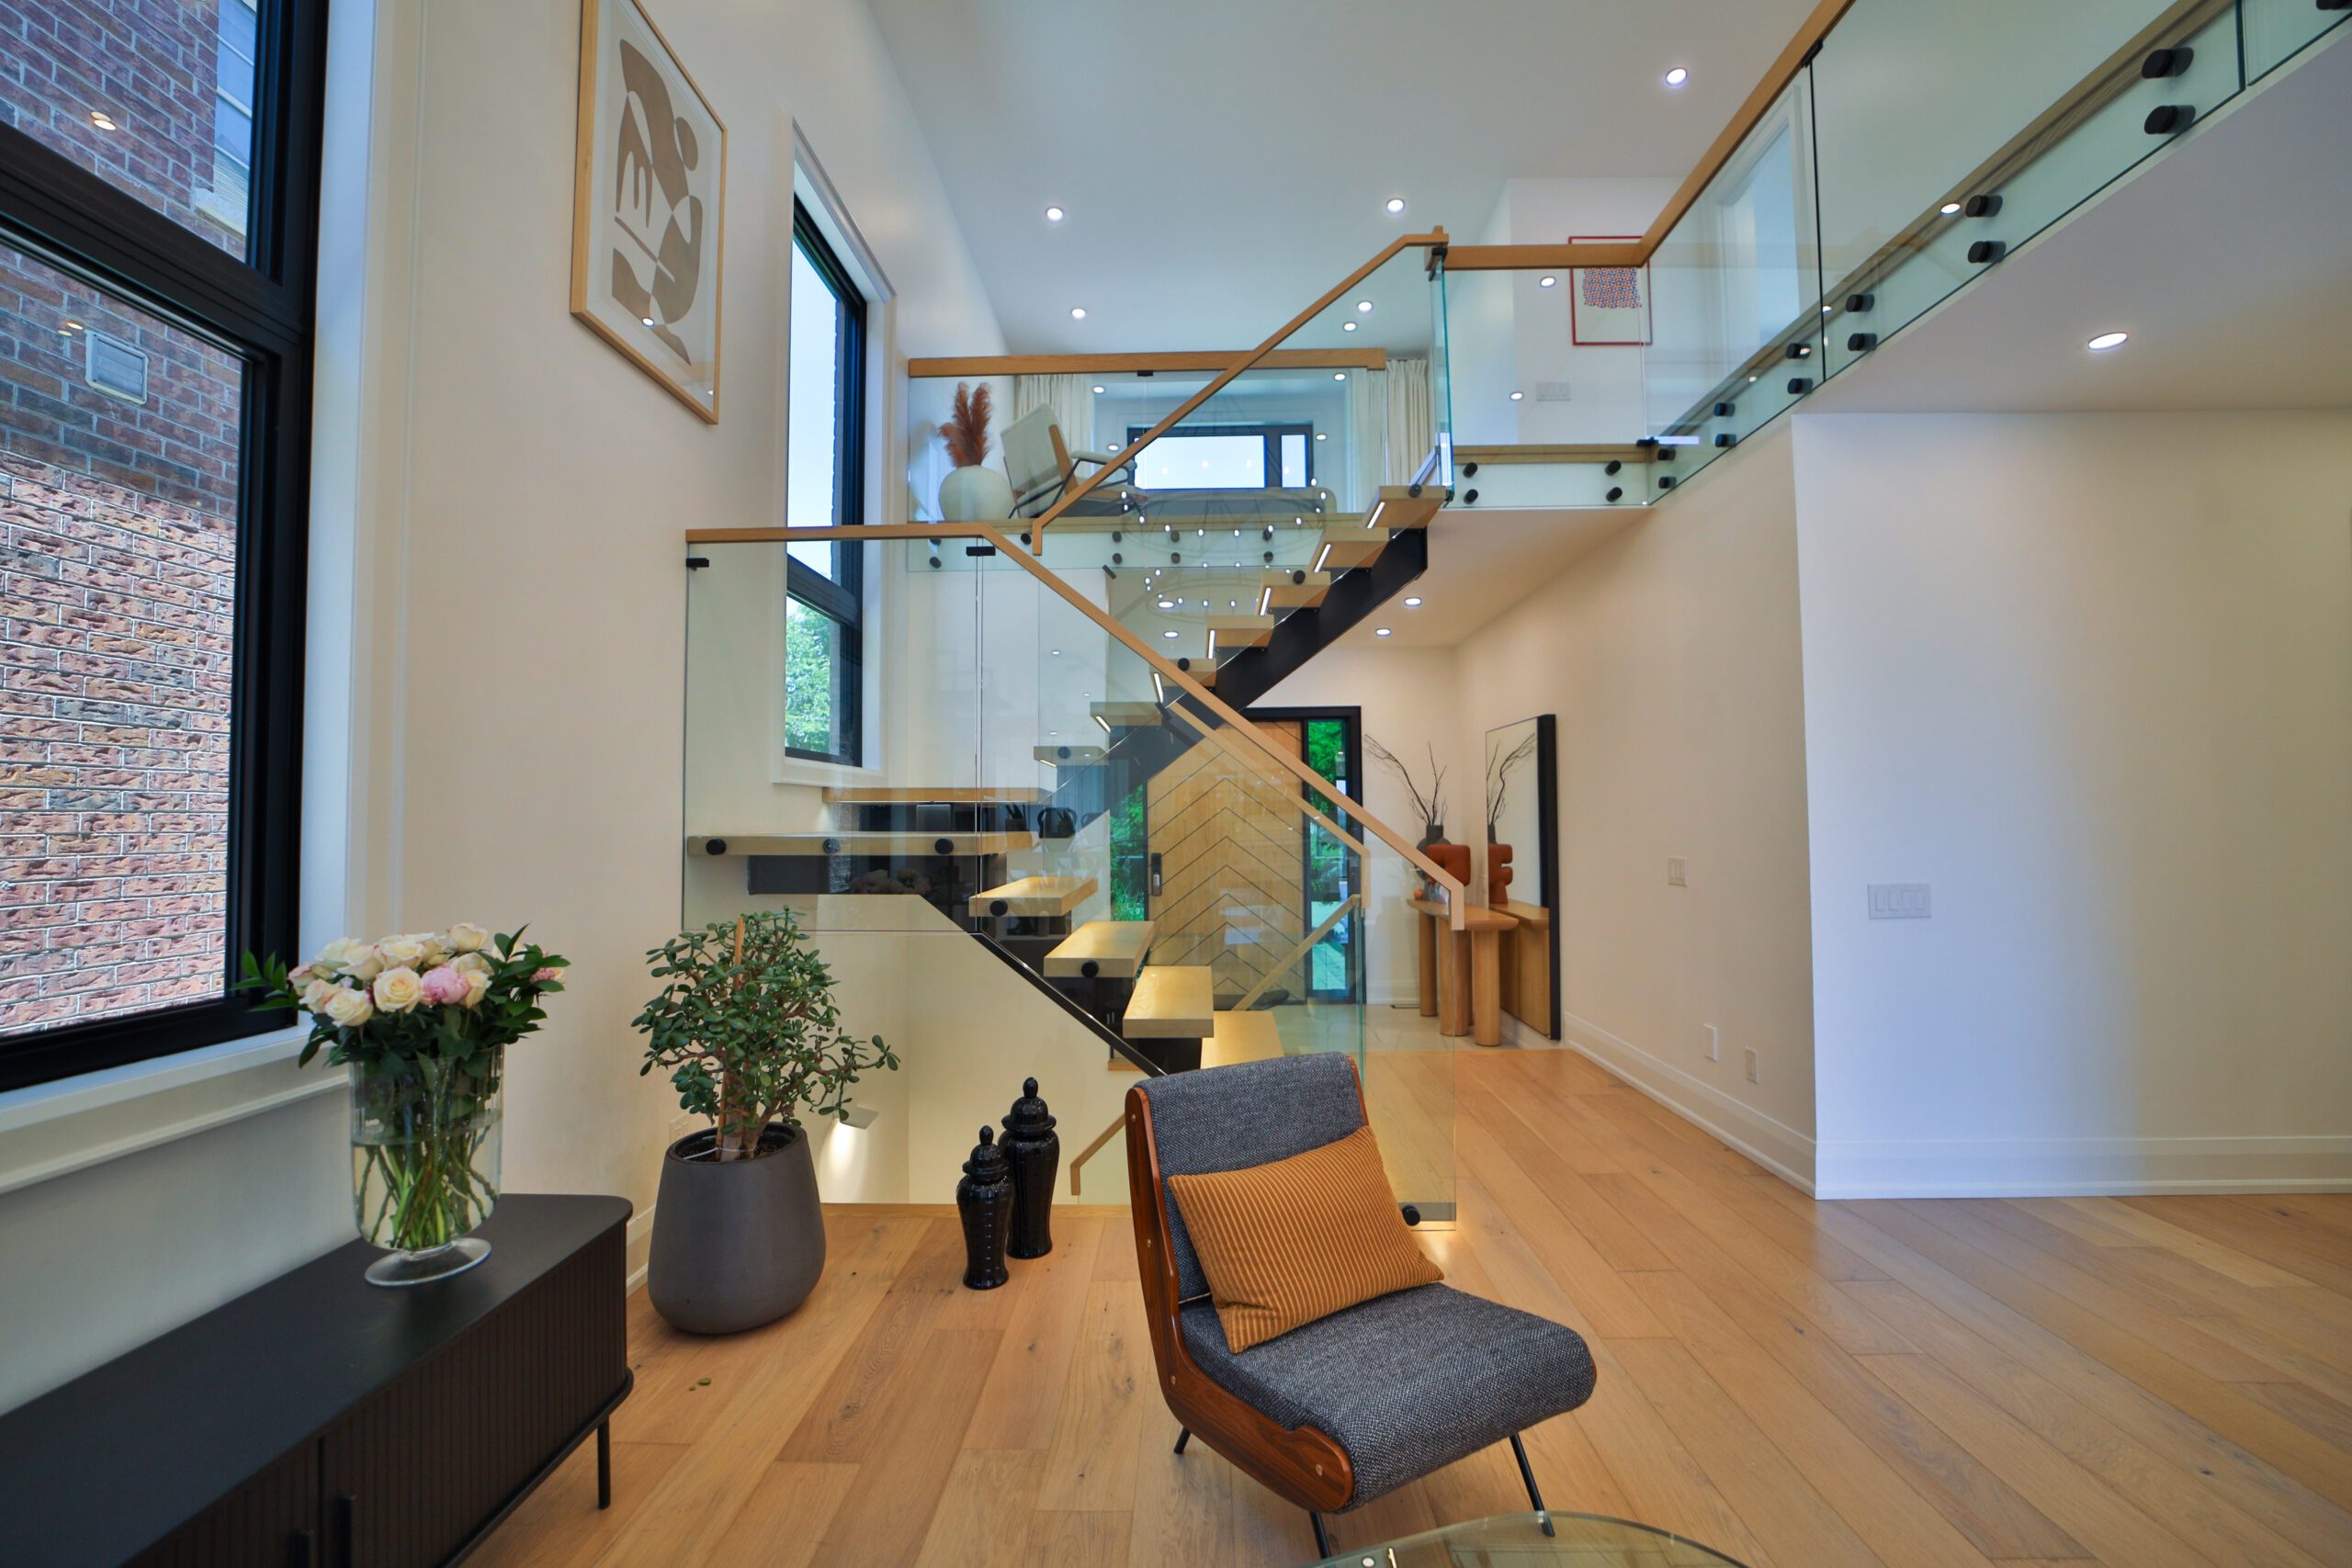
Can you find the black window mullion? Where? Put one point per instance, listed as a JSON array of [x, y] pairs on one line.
[[839, 597]]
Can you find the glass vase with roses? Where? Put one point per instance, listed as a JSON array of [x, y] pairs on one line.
[[422, 1020]]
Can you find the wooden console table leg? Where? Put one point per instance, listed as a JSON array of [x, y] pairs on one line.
[[603, 1464], [1454, 984], [1486, 987], [1428, 964]]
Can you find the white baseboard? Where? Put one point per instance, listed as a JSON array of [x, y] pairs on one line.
[[641, 1247], [2066, 1167], [1776, 1147]]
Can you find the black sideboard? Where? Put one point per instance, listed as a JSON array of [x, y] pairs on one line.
[[323, 1422]]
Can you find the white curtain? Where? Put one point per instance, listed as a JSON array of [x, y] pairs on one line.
[[1070, 397], [1367, 435], [1412, 424]]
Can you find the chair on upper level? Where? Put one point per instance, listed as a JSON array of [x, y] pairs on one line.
[[1041, 466], [1350, 1406]]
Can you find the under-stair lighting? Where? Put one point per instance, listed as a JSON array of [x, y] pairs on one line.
[[1414, 602], [1265, 597], [1383, 631], [2106, 341], [1676, 77], [1322, 556], [1546, 281], [1103, 722], [1053, 215], [1395, 204], [1078, 312]]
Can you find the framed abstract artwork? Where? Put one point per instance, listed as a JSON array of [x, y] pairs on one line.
[[648, 202], [1609, 307]]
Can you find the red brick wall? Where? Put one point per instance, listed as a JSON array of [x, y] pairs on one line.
[[117, 528]]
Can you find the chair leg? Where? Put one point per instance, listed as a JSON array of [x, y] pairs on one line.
[[1183, 1436], [1534, 1497], [1322, 1542]]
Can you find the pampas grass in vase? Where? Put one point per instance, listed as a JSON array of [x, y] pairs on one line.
[[973, 493]]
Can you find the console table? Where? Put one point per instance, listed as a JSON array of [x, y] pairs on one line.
[[323, 1422]]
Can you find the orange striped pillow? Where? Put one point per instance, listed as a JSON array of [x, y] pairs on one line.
[[1299, 1239]]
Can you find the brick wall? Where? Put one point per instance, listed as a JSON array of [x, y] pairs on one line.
[[151, 66], [117, 530]]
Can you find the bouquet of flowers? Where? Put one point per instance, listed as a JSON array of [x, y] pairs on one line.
[[422, 1020]]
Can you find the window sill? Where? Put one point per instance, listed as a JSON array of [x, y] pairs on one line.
[[54, 1129]]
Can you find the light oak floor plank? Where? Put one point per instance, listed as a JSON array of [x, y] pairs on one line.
[[2065, 1382]]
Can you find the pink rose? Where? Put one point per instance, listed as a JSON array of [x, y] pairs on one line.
[[541, 977], [444, 986]]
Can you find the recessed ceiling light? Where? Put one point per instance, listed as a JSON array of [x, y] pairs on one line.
[[1546, 281], [1339, 375], [1053, 215], [1676, 77], [1098, 389], [1395, 204], [1516, 395], [2106, 341], [1949, 207], [1347, 326], [1414, 602], [647, 320], [1055, 651], [1827, 309], [1383, 631], [103, 120], [1170, 635], [1167, 603], [1364, 307], [1078, 312], [1322, 435]]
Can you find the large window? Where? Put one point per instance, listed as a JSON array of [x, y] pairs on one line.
[[824, 467], [158, 171], [1225, 456]]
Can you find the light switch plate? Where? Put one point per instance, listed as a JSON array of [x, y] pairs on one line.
[[1678, 872], [1714, 1043], [1900, 901], [1751, 1066]]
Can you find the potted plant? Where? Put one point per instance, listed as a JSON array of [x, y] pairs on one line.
[[746, 1027], [973, 493], [424, 1021]]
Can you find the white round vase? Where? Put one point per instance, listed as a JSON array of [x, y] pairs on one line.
[[977, 494]]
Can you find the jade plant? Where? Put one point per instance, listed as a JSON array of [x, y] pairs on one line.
[[746, 1027]]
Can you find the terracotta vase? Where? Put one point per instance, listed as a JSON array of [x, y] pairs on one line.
[[1498, 875]]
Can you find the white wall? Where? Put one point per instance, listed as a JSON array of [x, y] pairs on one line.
[[2089, 676], [517, 494]]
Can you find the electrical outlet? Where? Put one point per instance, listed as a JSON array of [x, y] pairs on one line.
[[1678, 872], [1714, 1043], [1751, 1065]]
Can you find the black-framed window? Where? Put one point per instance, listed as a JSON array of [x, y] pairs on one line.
[[824, 487], [156, 255], [1226, 456]]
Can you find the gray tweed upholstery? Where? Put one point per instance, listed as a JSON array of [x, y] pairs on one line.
[[1250, 1113], [1406, 1382]]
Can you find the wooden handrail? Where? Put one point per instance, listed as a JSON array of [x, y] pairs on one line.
[[1091, 1150], [1128, 364], [1071, 497], [1202, 697], [1304, 945]]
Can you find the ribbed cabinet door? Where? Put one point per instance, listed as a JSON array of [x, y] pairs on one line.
[[271, 1522]]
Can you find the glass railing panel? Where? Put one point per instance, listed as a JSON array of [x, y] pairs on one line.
[[2276, 30], [1734, 288], [1941, 145]]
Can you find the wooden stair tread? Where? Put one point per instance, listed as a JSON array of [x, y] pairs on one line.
[[1242, 1037], [1398, 507], [1035, 896], [1172, 1002], [1130, 715], [933, 795], [1277, 592], [1115, 948], [857, 842], [1345, 550]]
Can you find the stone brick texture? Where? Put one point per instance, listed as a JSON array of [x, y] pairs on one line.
[[118, 542]]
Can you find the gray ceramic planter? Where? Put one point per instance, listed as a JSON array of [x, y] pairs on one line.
[[736, 1243]]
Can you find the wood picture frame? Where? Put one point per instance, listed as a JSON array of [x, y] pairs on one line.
[[1603, 326], [648, 221]]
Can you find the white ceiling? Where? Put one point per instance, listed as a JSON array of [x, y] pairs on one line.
[[1223, 162], [1482, 561], [2229, 261]]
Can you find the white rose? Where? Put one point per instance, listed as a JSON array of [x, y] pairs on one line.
[[476, 983], [468, 938], [396, 990], [401, 952], [366, 966], [318, 993], [350, 1009], [470, 963], [337, 955], [434, 950]]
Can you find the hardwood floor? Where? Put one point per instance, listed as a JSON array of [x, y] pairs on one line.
[[2136, 1381]]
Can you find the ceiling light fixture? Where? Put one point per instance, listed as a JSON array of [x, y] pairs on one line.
[[1053, 215], [1170, 635], [1676, 77], [1414, 602], [1396, 204], [647, 320], [1078, 312], [1347, 326], [1339, 375], [1322, 435], [1364, 307], [1546, 281], [1949, 207], [1098, 389], [1383, 631], [1516, 395], [103, 120], [2106, 341]]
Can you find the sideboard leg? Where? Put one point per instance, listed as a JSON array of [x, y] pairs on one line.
[[603, 1464]]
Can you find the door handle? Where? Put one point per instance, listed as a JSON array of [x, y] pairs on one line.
[[347, 1529], [1155, 872]]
